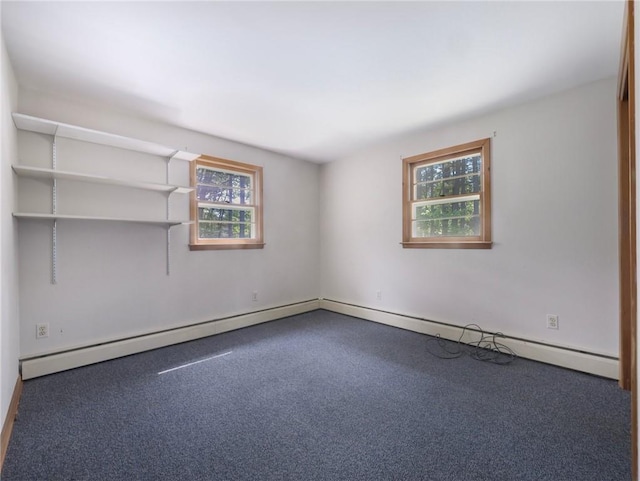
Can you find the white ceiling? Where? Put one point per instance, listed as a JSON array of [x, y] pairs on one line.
[[315, 80]]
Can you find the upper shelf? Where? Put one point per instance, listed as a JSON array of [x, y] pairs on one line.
[[37, 172], [43, 126]]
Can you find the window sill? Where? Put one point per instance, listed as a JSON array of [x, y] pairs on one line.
[[212, 247], [448, 245]]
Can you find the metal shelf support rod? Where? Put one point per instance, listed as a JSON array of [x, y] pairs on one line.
[[54, 208], [168, 212]]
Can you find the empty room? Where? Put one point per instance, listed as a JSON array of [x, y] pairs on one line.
[[318, 241]]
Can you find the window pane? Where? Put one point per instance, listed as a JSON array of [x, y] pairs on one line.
[[447, 219], [222, 179], [222, 195], [440, 188], [225, 230], [226, 215], [450, 168]]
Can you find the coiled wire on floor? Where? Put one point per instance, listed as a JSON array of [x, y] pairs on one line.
[[486, 348]]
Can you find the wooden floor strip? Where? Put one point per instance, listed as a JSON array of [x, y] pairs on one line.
[[8, 422]]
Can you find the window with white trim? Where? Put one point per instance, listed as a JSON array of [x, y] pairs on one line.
[[226, 205], [447, 198]]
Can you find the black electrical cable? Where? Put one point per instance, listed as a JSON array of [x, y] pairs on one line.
[[486, 348]]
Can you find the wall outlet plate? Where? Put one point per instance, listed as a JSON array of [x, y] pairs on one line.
[[42, 330], [553, 321]]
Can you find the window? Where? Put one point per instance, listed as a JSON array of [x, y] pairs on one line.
[[226, 205], [447, 198]]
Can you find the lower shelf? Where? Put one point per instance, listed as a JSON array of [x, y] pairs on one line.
[[165, 223]]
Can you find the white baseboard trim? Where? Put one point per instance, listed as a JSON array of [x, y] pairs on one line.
[[559, 356], [57, 362]]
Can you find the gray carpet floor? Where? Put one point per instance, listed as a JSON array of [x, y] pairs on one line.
[[319, 396]]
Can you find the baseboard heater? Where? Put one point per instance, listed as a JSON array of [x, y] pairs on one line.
[[593, 363], [83, 356]]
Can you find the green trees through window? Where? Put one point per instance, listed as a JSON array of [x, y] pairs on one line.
[[439, 210], [226, 204], [447, 198]]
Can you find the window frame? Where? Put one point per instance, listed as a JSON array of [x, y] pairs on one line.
[[409, 165], [255, 171]]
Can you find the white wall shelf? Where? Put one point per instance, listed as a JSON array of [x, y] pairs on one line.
[[40, 173], [160, 222], [59, 129], [74, 132]]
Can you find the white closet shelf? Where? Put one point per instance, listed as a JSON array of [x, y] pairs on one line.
[[40, 173], [165, 223], [74, 132], [50, 127]]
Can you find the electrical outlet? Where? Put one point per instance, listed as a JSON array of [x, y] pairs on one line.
[[379, 295], [42, 330], [553, 321], [254, 296]]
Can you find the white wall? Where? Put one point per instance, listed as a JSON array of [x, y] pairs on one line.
[[9, 329], [112, 280], [554, 224], [554, 181]]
